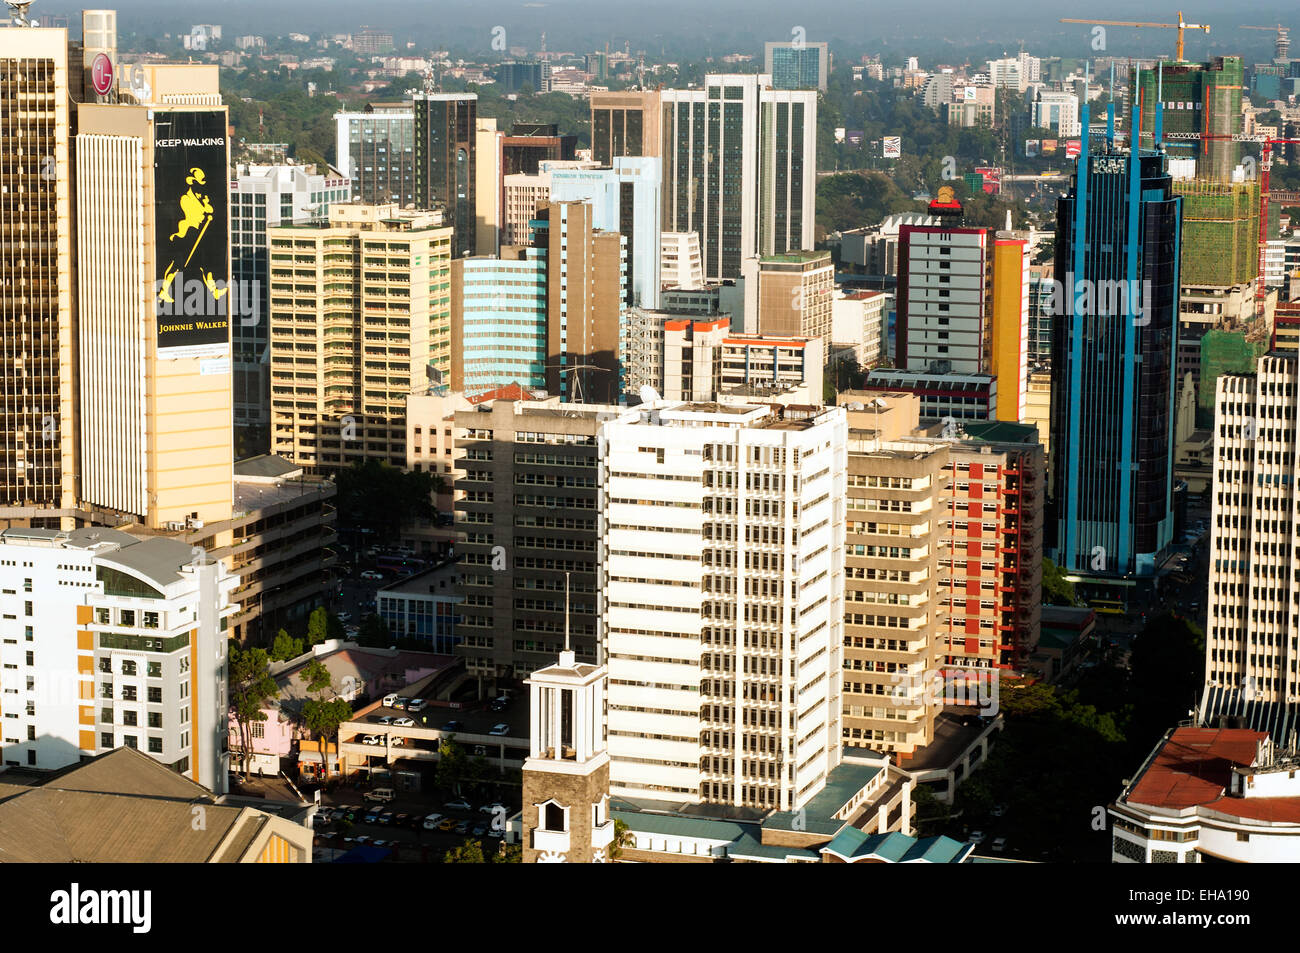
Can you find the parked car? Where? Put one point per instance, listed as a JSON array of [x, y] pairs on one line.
[[462, 827], [386, 720], [417, 704], [371, 740], [395, 742], [502, 729], [403, 722], [446, 824], [345, 616], [372, 815], [458, 804], [976, 837], [390, 699], [999, 843], [385, 816], [480, 829], [1000, 809], [454, 726], [496, 832], [500, 703], [493, 808], [373, 575], [432, 821], [401, 703]]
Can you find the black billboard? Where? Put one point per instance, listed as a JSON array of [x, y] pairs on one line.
[[191, 223]]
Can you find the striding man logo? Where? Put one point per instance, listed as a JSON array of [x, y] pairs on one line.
[[196, 216]]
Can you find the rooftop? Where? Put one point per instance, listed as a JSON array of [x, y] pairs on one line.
[[1193, 767]]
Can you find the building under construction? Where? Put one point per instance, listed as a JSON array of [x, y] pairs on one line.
[[1220, 241], [1202, 98]]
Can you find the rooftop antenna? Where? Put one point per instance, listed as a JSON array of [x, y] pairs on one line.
[[18, 12]]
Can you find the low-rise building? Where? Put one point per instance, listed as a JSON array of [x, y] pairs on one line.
[[423, 608]]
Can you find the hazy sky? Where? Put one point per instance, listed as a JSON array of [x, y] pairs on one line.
[[720, 26]]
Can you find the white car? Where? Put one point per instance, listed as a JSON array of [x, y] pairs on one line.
[[372, 740], [493, 808], [395, 742], [417, 704], [976, 838], [432, 821], [999, 843], [458, 804], [389, 699], [403, 722], [386, 720], [500, 730]]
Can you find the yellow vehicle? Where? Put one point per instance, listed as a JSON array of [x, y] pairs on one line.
[[1107, 606]]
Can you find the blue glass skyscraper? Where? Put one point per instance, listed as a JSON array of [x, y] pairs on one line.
[[1118, 234]]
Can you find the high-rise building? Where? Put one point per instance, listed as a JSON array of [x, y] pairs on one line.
[[38, 435], [722, 588], [489, 194], [153, 260], [586, 286], [445, 150], [376, 151], [740, 161], [523, 195], [1251, 635], [122, 644], [360, 320], [526, 518], [680, 265], [1057, 111], [797, 64], [534, 74], [261, 197], [794, 295], [498, 314], [1117, 243], [1200, 98], [531, 143], [624, 199], [624, 123]]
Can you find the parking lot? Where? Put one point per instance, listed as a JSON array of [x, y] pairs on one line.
[[399, 826]]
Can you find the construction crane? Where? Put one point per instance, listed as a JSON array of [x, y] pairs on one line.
[[1266, 144], [1283, 38], [1180, 26]]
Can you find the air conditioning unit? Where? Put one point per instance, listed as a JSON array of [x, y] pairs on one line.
[[196, 524], [176, 526]]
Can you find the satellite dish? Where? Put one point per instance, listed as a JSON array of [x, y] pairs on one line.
[[649, 395]]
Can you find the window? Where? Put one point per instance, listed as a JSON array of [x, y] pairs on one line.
[[31, 658], [130, 718], [258, 729], [126, 617], [155, 696], [155, 745], [106, 739], [27, 608], [106, 666], [128, 667], [553, 817], [154, 669], [130, 741], [150, 620], [27, 585], [155, 719], [101, 616], [128, 693], [106, 715]]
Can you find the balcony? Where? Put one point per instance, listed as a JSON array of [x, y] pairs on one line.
[[557, 842]]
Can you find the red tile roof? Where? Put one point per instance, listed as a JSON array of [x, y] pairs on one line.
[[1195, 766], [509, 392]]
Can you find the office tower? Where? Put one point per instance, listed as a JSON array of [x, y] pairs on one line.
[[1251, 631], [376, 151], [262, 197], [963, 306], [1202, 98], [722, 589], [488, 189], [739, 169], [1117, 241], [566, 777], [38, 421], [860, 327], [1058, 112], [531, 143], [98, 36], [624, 199], [891, 601], [526, 517], [586, 285], [445, 176], [1040, 314], [938, 91], [680, 265], [797, 65], [687, 359], [360, 320], [153, 260], [120, 642], [1007, 74], [625, 123], [972, 106], [523, 194], [534, 74], [498, 314], [794, 295], [370, 42]]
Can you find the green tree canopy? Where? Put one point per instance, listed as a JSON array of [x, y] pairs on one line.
[[251, 689], [285, 647]]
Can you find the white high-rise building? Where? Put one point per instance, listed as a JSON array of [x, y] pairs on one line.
[[722, 587], [1007, 74], [679, 260], [1251, 625], [110, 640], [1057, 111]]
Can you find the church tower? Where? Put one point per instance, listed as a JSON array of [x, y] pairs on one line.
[[566, 777]]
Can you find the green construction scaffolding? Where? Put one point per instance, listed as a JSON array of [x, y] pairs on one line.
[[1220, 232], [1223, 352]]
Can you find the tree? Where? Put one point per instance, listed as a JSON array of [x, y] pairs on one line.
[[374, 632], [251, 689], [451, 767], [318, 626], [322, 719], [285, 647], [470, 852], [316, 676], [622, 838], [1057, 590], [509, 854]]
